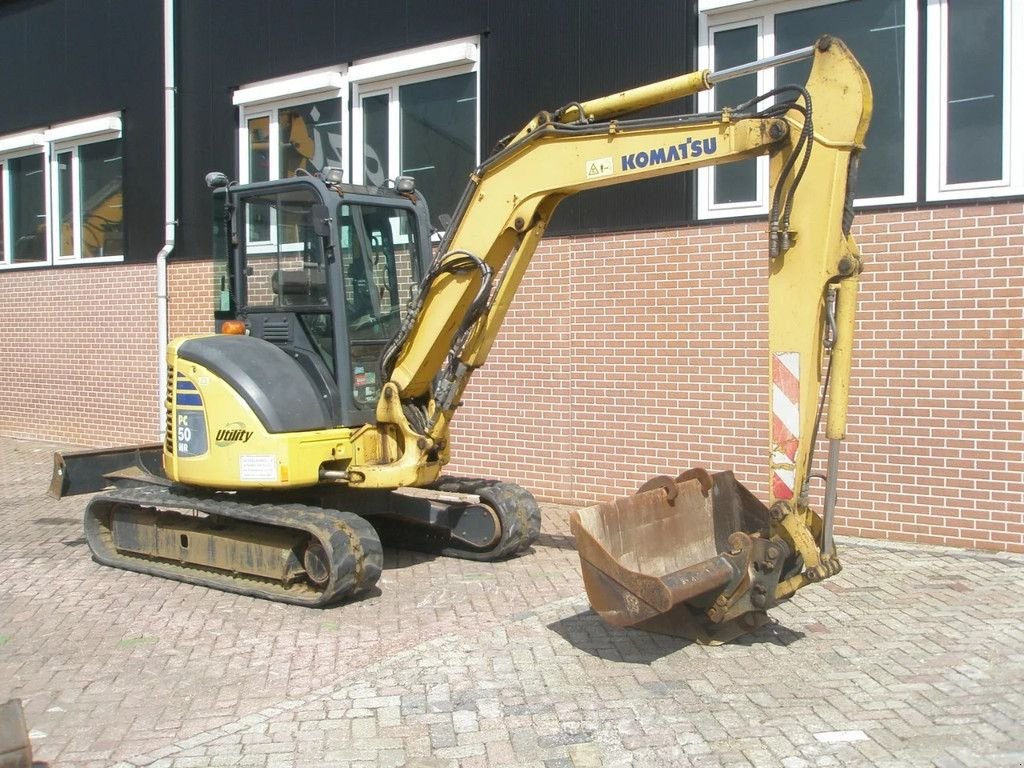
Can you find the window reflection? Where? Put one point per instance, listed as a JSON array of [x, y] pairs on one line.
[[438, 137], [28, 208], [310, 137], [378, 258], [102, 219]]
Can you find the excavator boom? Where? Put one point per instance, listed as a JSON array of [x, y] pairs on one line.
[[757, 553]]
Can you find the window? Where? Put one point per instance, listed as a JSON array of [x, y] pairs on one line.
[[971, 105], [291, 126], [416, 114], [288, 127], [381, 274], [89, 200], [61, 195], [294, 272], [876, 31], [291, 276], [413, 113], [971, 108], [294, 138], [26, 203], [744, 184]]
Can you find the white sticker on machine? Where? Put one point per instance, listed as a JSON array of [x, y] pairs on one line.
[[602, 166], [258, 468]]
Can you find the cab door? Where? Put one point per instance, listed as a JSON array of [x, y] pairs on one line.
[[380, 263]]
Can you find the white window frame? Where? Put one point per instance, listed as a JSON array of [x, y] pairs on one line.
[[1012, 179], [715, 15], [56, 149], [23, 145], [706, 206], [49, 142], [386, 74], [267, 99]]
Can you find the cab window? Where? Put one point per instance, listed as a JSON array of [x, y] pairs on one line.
[[381, 275]]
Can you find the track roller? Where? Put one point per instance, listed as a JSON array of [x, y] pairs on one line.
[[511, 510]]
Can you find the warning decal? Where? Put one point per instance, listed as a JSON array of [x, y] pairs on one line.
[[602, 166]]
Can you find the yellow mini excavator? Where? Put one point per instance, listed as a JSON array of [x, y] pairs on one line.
[[315, 424]]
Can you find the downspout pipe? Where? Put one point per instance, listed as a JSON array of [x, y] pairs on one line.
[[170, 211]]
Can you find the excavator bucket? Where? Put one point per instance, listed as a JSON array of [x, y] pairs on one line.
[[690, 557]]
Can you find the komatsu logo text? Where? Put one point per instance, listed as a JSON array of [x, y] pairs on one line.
[[232, 433], [685, 150]]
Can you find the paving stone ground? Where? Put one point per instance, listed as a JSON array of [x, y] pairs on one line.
[[913, 656]]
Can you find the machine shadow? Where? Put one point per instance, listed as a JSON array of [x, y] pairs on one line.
[[396, 558], [556, 541], [587, 632]]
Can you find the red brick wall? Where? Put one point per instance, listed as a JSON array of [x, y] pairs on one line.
[[78, 354], [655, 343], [190, 287], [644, 353]]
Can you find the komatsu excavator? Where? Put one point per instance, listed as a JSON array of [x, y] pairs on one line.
[[316, 422]]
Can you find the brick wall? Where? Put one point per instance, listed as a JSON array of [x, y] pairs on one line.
[[78, 354], [656, 344], [190, 286], [643, 353]]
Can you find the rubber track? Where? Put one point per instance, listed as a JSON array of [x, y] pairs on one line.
[[350, 542], [517, 510]]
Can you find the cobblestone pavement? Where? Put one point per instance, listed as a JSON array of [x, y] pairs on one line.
[[913, 656]]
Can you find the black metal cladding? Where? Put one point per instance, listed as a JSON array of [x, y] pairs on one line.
[[542, 55], [536, 54], [70, 59], [65, 60]]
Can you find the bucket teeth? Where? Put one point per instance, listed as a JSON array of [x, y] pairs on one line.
[[691, 557]]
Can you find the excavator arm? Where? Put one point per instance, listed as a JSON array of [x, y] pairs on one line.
[[813, 138], [813, 135]]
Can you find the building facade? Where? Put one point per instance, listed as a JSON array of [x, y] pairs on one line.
[[637, 344]]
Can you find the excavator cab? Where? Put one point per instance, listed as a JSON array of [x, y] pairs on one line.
[[324, 272]]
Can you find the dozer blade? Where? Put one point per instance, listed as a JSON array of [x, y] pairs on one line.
[[690, 557], [90, 471]]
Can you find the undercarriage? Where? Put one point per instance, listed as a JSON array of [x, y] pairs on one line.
[[311, 547]]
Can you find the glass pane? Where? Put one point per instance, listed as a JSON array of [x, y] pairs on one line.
[[438, 137], [376, 163], [100, 168], [310, 136], [65, 214], [259, 149], [28, 208], [258, 218], [381, 275], [292, 273], [223, 290], [735, 182], [974, 150], [875, 31], [3, 237]]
